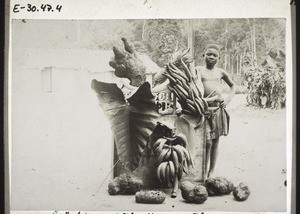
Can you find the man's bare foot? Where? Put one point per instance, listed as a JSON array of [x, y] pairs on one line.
[[210, 174]]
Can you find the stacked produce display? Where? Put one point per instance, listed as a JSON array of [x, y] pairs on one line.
[[139, 134], [172, 160]]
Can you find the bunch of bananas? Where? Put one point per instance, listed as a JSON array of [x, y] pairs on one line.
[[186, 86], [173, 158]]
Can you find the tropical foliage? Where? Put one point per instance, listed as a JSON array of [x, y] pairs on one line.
[[250, 49]]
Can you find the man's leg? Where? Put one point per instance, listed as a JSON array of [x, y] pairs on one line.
[[208, 155], [213, 156]]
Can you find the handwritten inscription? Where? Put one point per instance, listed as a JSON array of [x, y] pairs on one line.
[[120, 212], [37, 8]]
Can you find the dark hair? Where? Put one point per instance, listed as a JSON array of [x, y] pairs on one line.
[[212, 46]]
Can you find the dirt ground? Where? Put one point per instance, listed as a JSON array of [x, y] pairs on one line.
[[254, 152]]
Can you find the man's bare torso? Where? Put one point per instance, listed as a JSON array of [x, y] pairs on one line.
[[211, 80]]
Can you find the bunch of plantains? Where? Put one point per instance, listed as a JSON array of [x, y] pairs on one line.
[[173, 158], [185, 85]]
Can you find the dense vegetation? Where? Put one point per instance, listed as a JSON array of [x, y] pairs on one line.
[[252, 50]]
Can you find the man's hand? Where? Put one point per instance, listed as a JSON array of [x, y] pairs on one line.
[[232, 90], [128, 65], [223, 102]]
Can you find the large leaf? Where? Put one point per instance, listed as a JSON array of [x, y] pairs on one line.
[[131, 124]]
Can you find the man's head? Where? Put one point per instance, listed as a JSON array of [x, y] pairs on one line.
[[211, 55]]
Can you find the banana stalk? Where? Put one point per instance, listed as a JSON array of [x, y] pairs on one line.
[[175, 188], [186, 86]]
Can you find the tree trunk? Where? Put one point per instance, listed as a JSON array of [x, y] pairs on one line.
[[143, 30], [254, 45], [237, 63], [241, 58], [225, 57], [191, 37], [228, 63], [225, 63], [243, 61], [231, 64], [264, 36], [252, 49]]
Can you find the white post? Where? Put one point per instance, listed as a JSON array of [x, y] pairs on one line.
[[191, 37]]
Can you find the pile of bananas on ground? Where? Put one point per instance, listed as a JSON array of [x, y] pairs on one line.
[[185, 85], [173, 158]]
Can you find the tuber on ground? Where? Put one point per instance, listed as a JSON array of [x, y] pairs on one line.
[[150, 197], [126, 184], [193, 193], [241, 192], [218, 186]]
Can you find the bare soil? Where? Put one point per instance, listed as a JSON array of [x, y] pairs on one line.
[[67, 175]]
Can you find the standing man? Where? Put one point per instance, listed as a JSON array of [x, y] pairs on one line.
[[217, 123]]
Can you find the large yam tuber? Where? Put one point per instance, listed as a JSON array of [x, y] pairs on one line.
[[186, 187], [150, 197], [241, 192], [193, 193], [218, 186], [113, 188], [125, 184]]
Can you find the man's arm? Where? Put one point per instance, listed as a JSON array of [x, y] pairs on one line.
[[199, 80], [232, 86]]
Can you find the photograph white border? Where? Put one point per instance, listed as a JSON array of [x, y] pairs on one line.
[[146, 9]]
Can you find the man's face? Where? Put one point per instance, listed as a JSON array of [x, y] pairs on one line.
[[211, 56]]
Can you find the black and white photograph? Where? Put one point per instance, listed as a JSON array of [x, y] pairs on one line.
[[149, 107], [149, 115]]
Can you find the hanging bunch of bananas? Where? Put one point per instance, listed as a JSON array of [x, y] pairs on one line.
[[173, 158], [185, 85]]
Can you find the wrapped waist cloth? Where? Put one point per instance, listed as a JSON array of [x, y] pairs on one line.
[[217, 124]]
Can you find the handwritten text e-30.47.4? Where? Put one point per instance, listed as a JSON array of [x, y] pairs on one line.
[[37, 8]]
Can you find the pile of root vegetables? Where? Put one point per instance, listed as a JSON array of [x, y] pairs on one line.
[[172, 159], [191, 192]]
